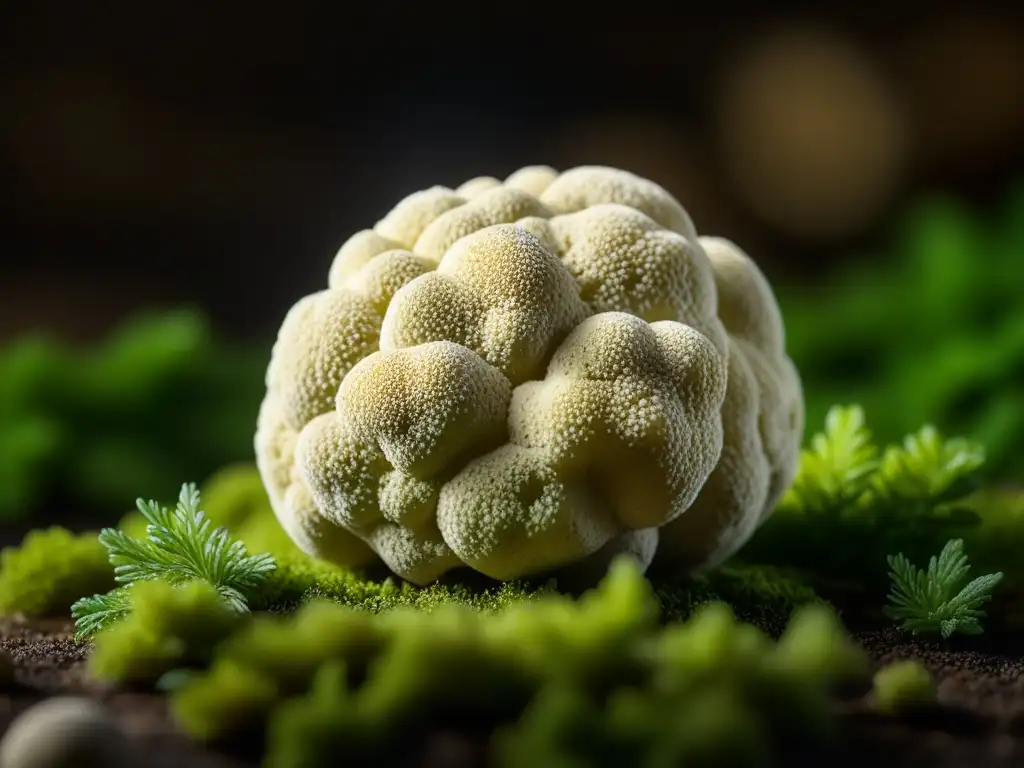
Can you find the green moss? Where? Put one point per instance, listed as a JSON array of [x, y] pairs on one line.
[[765, 596], [903, 687], [308, 728], [50, 570], [586, 681], [299, 578], [563, 727], [167, 627]]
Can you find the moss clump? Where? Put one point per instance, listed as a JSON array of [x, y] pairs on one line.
[[762, 595], [166, 627], [903, 687], [585, 681], [51, 569], [765, 596], [299, 579], [713, 692]]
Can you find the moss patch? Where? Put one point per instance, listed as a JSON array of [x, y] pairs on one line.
[[51, 569], [332, 679], [167, 627]]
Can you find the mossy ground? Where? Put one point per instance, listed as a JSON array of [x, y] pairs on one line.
[[175, 630]]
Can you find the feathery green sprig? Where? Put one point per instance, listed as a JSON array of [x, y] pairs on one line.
[[937, 600], [181, 546]]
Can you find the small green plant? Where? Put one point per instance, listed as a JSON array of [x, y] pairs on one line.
[[937, 600], [902, 687], [852, 503], [51, 569], [182, 546], [837, 469]]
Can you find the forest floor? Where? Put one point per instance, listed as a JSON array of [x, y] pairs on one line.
[[981, 722]]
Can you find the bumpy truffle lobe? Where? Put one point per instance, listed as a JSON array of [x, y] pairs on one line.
[[510, 513], [476, 186], [321, 338], [426, 407], [532, 179], [633, 408], [588, 185], [355, 253], [357, 489], [414, 213], [498, 292], [498, 205], [727, 510], [380, 278], [624, 261], [752, 317], [299, 514]]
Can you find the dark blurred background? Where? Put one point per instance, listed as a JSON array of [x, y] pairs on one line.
[[216, 154], [220, 153]]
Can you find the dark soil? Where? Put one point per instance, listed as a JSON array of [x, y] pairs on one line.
[[47, 661], [980, 686], [981, 723]]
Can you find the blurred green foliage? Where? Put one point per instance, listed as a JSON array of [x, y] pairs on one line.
[[589, 681], [933, 334], [168, 626], [51, 569], [158, 400], [903, 687], [854, 502]]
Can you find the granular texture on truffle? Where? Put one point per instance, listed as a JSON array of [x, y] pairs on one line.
[[531, 374]]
